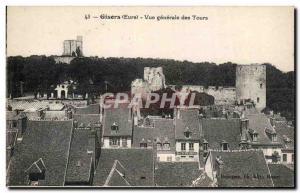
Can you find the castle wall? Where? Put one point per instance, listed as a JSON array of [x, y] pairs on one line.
[[63, 59], [251, 84], [222, 95]]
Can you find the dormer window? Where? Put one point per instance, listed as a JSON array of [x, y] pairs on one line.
[[36, 172], [158, 146], [114, 128], [187, 132], [167, 146], [205, 146], [143, 145], [224, 145], [14, 123], [255, 136], [274, 137]]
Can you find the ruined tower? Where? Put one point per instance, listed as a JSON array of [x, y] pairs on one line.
[[251, 84], [155, 78], [73, 47]]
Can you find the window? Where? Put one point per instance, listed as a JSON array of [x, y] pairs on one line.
[[169, 158], [158, 146], [14, 123], [260, 85], [187, 134], [167, 146], [284, 157], [225, 146], [114, 128], [183, 156], [143, 145], [183, 146], [274, 137], [255, 136], [257, 99], [191, 156], [191, 146], [205, 146], [114, 141]]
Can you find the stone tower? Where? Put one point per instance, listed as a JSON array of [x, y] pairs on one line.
[[73, 47], [155, 78], [251, 84]]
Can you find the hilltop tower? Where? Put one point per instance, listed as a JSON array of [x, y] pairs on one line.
[[251, 84], [73, 47]]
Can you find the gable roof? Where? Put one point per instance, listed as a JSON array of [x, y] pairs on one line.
[[48, 140], [162, 131], [90, 109], [260, 123], [188, 121], [214, 131], [282, 176], [80, 159], [120, 117], [285, 134], [117, 175], [137, 164], [238, 164], [174, 174]]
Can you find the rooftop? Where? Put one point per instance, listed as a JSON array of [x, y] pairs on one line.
[[120, 117], [136, 165], [282, 176], [47, 140], [241, 169], [217, 130], [161, 132], [174, 174], [188, 121]]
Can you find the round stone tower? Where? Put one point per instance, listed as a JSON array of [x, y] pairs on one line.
[[251, 84]]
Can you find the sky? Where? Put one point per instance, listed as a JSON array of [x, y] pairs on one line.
[[242, 35]]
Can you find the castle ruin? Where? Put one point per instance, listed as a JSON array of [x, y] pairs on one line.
[[250, 86]]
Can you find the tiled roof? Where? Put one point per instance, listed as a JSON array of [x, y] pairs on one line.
[[282, 176], [120, 117], [174, 174], [163, 131], [260, 123], [188, 121], [87, 118], [285, 134], [48, 140], [215, 131], [137, 167], [238, 164], [90, 109], [80, 160]]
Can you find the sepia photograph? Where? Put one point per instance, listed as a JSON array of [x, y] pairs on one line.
[[150, 97]]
